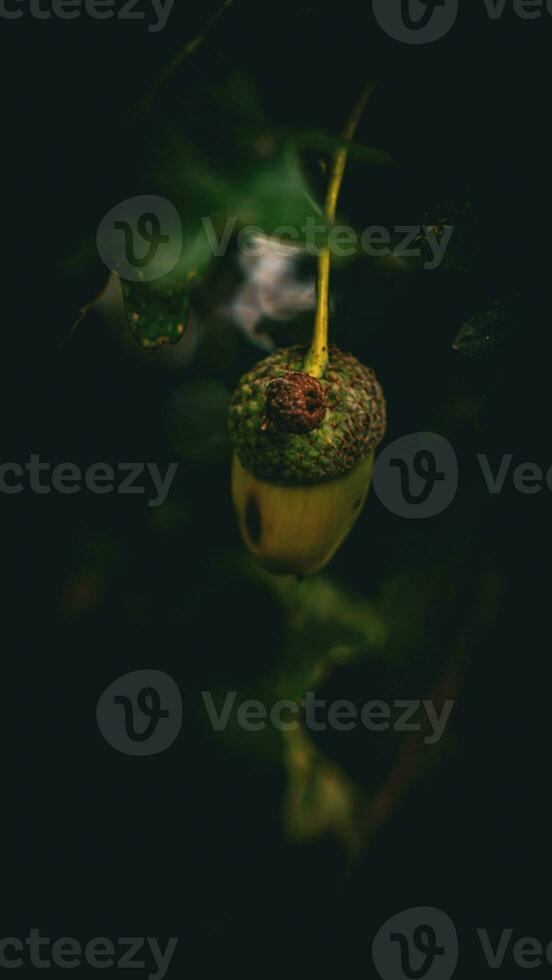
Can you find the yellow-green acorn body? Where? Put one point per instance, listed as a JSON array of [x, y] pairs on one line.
[[304, 451]]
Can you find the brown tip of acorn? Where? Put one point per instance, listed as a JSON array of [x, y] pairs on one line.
[[296, 402]]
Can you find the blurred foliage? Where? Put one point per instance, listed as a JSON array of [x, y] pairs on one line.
[[331, 635], [460, 251], [197, 414], [489, 330], [156, 316], [320, 798], [224, 167]]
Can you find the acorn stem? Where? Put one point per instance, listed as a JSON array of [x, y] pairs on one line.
[[316, 360]]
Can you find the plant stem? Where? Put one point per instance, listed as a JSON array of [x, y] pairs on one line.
[[316, 360]]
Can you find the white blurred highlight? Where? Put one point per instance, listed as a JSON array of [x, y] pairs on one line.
[[271, 289]]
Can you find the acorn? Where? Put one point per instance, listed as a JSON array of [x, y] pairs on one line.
[[304, 452], [304, 424]]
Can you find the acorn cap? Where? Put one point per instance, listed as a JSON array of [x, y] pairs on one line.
[[291, 429]]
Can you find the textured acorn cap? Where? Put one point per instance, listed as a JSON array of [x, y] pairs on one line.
[[301, 431]]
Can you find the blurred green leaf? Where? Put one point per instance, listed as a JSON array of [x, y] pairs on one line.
[[197, 421], [156, 317], [320, 799], [488, 330], [321, 142]]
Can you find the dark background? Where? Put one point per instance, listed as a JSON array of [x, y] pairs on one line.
[[190, 843]]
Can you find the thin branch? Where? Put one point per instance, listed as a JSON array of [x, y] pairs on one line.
[[180, 57]]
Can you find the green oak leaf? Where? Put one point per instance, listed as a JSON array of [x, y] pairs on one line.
[[156, 317]]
